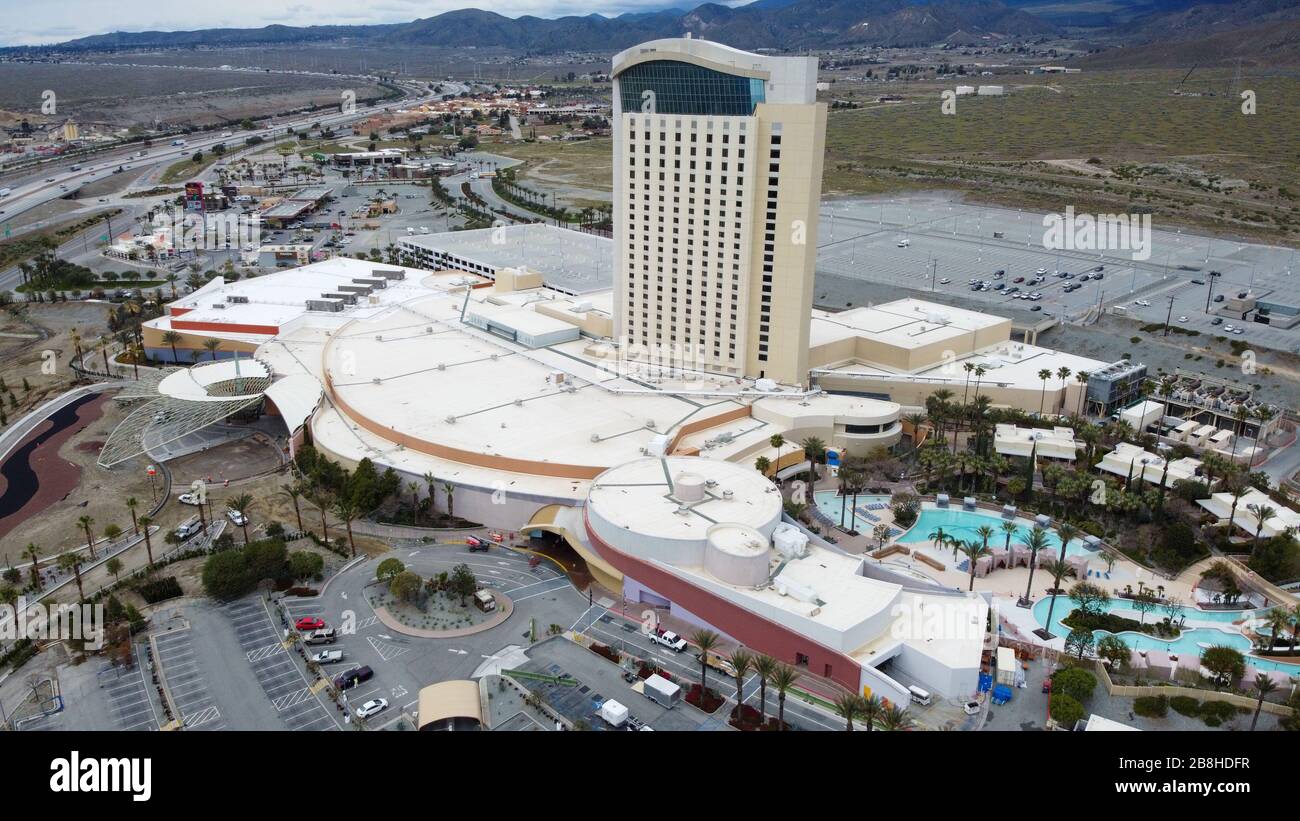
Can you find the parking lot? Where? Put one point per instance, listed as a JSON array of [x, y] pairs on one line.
[[404, 664], [127, 693], [185, 681], [282, 680], [612, 628], [916, 242]]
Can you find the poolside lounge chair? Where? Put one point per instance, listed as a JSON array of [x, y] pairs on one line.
[[969, 503], [1043, 520], [1008, 511], [941, 500]]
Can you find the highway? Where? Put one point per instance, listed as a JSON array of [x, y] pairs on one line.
[[32, 187]]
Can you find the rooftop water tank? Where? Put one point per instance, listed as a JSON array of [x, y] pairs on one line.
[[736, 554], [688, 487]]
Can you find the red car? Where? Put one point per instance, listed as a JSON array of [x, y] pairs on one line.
[[310, 623]]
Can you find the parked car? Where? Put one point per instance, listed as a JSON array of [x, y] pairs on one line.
[[189, 499], [309, 623], [944, 281], [353, 677], [971, 708], [328, 656], [237, 517], [476, 545], [669, 639], [372, 707]]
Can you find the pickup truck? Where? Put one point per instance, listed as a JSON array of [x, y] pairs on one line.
[[327, 656], [669, 639]]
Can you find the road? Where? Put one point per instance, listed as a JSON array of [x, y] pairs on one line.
[[34, 187]]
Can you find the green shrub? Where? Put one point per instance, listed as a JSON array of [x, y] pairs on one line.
[[1074, 682], [1151, 706], [1217, 711], [1066, 710], [160, 590], [1185, 705]]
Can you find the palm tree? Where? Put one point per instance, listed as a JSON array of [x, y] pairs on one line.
[[1067, 533], [1263, 686], [1063, 373], [171, 338], [86, 522], [429, 481], [293, 493], [973, 551], [1008, 529], [34, 553], [131, 505], [449, 488], [211, 345], [172, 279], [1262, 513], [762, 464], [937, 537], [1237, 486], [706, 640], [985, 533], [1059, 569], [764, 667], [1043, 375], [896, 718], [241, 504], [783, 678], [815, 449], [145, 522], [871, 709], [777, 441], [1082, 378], [1035, 540], [346, 509], [71, 561], [848, 705], [322, 503], [741, 662]]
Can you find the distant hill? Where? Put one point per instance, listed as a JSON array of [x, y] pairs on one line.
[[1149, 32], [782, 24]]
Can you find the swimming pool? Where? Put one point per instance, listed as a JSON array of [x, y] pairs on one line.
[[963, 523], [1188, 643], [830, 503]]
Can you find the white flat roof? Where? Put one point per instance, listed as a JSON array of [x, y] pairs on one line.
[[904, 323]]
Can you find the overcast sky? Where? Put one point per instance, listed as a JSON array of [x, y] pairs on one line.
[[28, 22]]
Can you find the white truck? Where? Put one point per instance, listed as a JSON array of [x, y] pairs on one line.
[[4, 192], [669, 639], [328, 656]]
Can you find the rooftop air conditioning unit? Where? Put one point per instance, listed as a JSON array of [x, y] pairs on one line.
[[728, 494], [377, 381], [442, 366], [711, 483], [450, 420], [379, 337], [595, 438], [682, 510], [519, 403], [650, 423]]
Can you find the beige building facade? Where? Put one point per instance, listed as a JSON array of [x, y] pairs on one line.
[[717, 181]]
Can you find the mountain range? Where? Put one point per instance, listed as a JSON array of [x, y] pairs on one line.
[[1230, 29]]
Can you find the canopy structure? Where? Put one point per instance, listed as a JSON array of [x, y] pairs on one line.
[[183, 402]]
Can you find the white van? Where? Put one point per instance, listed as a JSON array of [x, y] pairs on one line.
[[919, 696], [188, 528]]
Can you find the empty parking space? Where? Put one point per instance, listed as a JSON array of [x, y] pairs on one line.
[[186, 682], [284, 684], [126, 692]]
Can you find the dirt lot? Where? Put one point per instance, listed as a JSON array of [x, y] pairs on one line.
[[28, 332]]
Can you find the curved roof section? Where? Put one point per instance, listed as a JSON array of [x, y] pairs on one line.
[[296, 396], [219, 381], [784, 79], [449, 700]]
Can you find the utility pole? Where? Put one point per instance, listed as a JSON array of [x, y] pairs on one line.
[[1209, 292], [1169, 315]]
